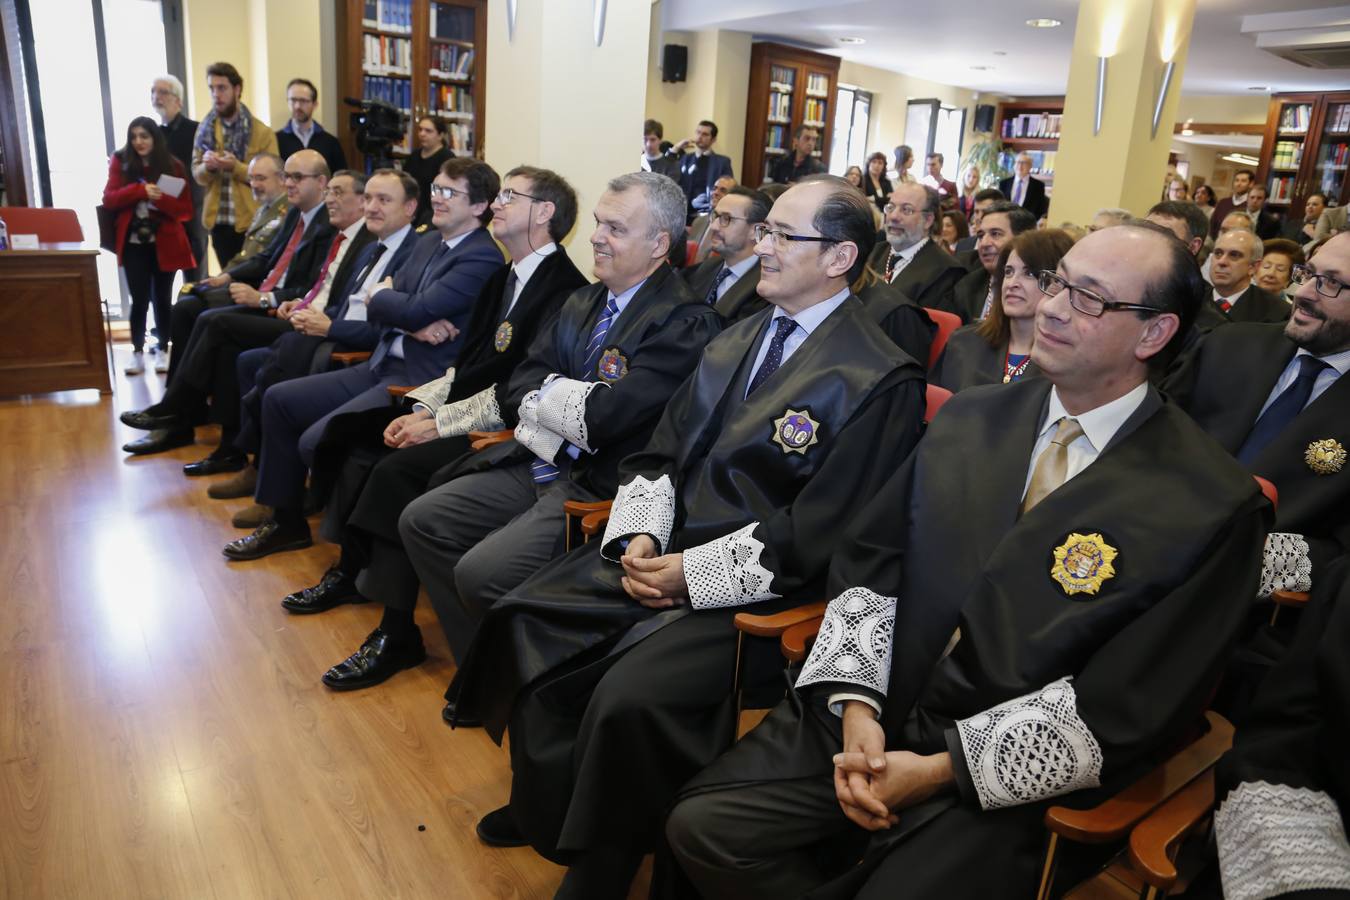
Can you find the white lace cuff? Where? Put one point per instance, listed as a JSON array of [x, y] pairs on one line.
[[541, 442], [1286, 566], [476, 413], [854, 642], [642, 507], [1030, 748], [726, 572], [562, 408], [433, 394], [1275, 839]]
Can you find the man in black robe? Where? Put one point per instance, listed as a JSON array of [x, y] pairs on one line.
[[1082, 627], [1276, 397], [910, 260], [614, 664]]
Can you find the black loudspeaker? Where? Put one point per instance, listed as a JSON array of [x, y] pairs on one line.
[[984, 118], [674, 62]]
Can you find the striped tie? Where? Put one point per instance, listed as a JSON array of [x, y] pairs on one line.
[[545, 472]]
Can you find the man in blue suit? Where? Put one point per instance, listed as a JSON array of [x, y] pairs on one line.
[[421, 313], [700, 168]]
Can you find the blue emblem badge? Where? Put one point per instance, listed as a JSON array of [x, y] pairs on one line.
[[502, 339], [795, 431], [612, 366]]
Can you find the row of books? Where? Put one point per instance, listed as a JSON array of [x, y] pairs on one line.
[[813, 111], [783, 75], [1281, 189], [460, 135], [396, 92], [1031, 125], [451, 99], [386, 55], [388, 15], [1338, 118], [454, 22], [779, 137], [1296, 117], [1287, 154], [818, 84], [451, 61], [780, 106], [1336, 154], [1042, 161]]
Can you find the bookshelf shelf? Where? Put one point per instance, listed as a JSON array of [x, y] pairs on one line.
[[788, 87], [1306, 149]]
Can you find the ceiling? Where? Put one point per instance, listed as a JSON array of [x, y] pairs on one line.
[[944, 41]]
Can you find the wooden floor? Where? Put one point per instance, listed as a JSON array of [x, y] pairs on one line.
[[163, 730]]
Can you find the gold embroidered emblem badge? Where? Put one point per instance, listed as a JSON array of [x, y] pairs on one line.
[[502, 339], [1325, 457], [1083, 563]]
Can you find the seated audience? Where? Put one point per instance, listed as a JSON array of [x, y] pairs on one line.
[[1109, 218], [698, 229], [970, 186], [303, 132], [933, 178], [955, 229], [1176, 190], [655, 157], [982, 200], [1265, 224], [1000, 222], [1332, 221], [1024, 190], [1277, 265], [1190, 225], [909, 259], [998, 349], [426, 163], [1303, 231], [985, 617], [151, 241], [727, 282], [1204, 198], [903, 162], [1236, 255], [801, 160], [1243, 179], [627, 644], [854, 176], [876, 185], [421, 311], [700, 168]]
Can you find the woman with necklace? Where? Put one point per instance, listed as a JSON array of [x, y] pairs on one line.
[[998, 349]]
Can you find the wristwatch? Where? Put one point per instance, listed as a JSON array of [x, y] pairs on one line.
[[266, 302]]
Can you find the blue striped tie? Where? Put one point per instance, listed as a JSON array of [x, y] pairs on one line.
[[545, 472]]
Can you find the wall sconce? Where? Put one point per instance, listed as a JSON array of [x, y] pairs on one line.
[[1101, 94], [511, 20], [600, 21], [1162, 95]]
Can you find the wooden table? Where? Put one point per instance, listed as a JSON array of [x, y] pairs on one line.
[[51, 321]]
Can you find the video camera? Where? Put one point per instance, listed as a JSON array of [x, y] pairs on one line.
[[377, 125]]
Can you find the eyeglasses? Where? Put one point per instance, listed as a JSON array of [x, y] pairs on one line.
[[1085, 301], [1325, 285], [338, 192], [447, 193], [506, 195], [781, 238], [908, 209], [297, 176], [725, 219]]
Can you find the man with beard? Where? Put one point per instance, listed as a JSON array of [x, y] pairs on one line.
[[727, 281], [1001, 222], [910, 260], [166, 96]]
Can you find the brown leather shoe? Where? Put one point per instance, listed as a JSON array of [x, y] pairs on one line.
[[241, 485], [251, 516]]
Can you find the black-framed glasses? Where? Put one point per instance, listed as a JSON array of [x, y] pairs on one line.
[[298, 176], [781, 238], [506, 195], [1325, 285], [447, 193], [725, 219], [1087, 302]]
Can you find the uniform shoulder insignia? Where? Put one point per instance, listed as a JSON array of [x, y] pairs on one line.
[[795, 431], [1325, 457], [1083, 563]]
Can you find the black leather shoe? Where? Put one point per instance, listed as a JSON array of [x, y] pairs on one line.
[[451, 717], [379, 658], [139, 418], [160, 440], [268, 538], [498, 829], [214, 465], [334, 589]]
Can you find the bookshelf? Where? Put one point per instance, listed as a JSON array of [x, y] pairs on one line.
[[1306, 149], [1032, 126], [425, 57], [788, 87]]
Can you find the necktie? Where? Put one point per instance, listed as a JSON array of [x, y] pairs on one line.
[[891, 270], [774, 358], [509, 292], [279, 270], [322, 281], [722, 276], [544, 472], [1021, 191], [988, 302], [1052, 467], [1224, 304], [1280, 413], [358, 283]]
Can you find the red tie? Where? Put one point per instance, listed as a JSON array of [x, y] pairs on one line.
[[270, 282], [1224, 305], [323, 273]]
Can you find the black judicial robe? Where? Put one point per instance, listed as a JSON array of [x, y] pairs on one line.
[[1143, 652], [903, 320], [734, 479], [658, 337], [1223, 383], [1290, 759], [968, 360], [741, 299], [1256, 304], [968, 295], [929, 277]]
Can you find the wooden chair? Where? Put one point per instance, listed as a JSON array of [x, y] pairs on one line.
[[349, 357], [946, 323], [52, 226]]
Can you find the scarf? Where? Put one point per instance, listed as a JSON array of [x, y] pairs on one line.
[[211, 130]]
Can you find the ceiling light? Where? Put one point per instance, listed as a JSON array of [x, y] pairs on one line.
[[1044, 23], [852, 40], [1241, 159]]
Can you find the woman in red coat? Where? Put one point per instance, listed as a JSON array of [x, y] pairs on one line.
[[152, 244]]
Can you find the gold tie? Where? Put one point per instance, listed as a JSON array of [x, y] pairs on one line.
[[1052, 466]]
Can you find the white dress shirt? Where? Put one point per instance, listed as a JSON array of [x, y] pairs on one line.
[[737, 271], [525, 268], [348, 235], [906, 256], [305, 219], [356, 300]]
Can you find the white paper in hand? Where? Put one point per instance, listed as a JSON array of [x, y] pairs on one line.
[[171, 184]]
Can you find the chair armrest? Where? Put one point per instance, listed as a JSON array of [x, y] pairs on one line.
[[350, 357], [796, 640], [481, 440], [400, 390], [775, 624], [582, 507], [1153, 841], [1294, 599], [1112, 819], [593, 523]]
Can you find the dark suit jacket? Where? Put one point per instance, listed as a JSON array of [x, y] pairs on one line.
[[904, 322], [967, 295], [1204, 384], [1221, 209], [968, 360], [700, 194], [305, 264], [929, 278], [361, 335], [1035, 201], [447, 292], [1267, 225], [1260, 305], [741, 299], [329, 147]]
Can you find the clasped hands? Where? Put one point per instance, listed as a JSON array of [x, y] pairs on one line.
[[657, 582], [870, 783], [416, 427]]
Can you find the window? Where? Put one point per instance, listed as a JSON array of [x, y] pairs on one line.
[[852, 118], [930, 128]]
